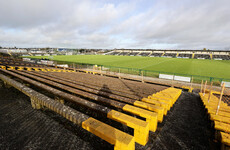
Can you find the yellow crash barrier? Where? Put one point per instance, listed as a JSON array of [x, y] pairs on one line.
[[158, 103], [151, 117], [141, 128], [11, 68], [220, 118], [159, 110], [225, 138], [222, 126], [120, 140], [3, 67]]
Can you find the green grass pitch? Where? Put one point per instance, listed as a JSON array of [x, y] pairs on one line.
[[210, 68]]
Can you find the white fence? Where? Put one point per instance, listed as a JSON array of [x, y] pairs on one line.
[[64, 65], [166, 76], [177, 78], [227, 84], [46, 62], [180, 78]]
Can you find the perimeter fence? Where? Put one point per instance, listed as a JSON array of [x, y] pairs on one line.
[[139, 72]]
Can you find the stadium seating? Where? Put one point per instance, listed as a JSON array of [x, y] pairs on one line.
[[113, 53], [202, 56], [170, 55], [221, 57], [124, 53], [156, 55], [184, 56], [220, 121], [133, 53], [144, 54]]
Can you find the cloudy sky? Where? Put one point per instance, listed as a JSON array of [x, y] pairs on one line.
[[161, 24]]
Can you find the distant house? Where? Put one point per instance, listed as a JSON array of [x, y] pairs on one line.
[[61, 50]]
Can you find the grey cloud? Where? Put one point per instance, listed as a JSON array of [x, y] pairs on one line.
[[108, 24], [197, 25], [30, 13]]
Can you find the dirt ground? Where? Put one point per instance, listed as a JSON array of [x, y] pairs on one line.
[[186, 126], [136, 88]]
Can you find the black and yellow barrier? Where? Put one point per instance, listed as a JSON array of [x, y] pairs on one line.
[[11, 68], [34, 69], [3, 67], [43, 70], [29, 68], [90, 72], [20, 68]]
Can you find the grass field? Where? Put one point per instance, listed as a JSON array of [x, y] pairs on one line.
[[210, 68]]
